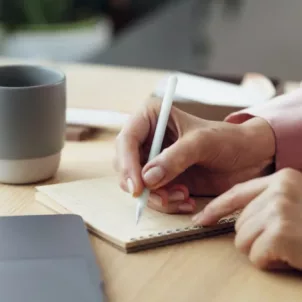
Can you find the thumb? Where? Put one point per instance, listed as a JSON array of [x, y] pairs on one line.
[[171, 162]]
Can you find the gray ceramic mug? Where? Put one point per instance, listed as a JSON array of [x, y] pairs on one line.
[[32, 122]]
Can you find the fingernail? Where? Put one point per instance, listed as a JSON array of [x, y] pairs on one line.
[[156, 199], [130, 186], [154, 175], [185, 207], [192, 202], [176, 195]]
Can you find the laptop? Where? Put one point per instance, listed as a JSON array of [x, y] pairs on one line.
[[47, 258]]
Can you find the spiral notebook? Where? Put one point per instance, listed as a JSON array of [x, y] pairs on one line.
[[109, 213]]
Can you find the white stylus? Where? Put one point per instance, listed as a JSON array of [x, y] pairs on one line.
[[158, 138]]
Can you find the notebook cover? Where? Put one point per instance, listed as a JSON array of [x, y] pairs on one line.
[[109, 213]]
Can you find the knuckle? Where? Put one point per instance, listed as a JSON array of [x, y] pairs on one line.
[[288, 175], [122, 185], [282, 205], [278, 232], [122, 169], [240, 244], [176, 165], [232, 194], [199, 136], [287, 183], [257, 262], [285, 186], [231, 202], [230, 199]]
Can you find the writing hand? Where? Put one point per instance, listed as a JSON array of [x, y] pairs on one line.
[[199, 157]]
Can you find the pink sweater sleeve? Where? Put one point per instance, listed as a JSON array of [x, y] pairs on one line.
[[284, 114]]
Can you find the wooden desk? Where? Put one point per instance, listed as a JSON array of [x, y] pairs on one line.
[[209, 270]]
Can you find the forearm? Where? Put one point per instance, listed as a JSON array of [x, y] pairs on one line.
[[284, 115]]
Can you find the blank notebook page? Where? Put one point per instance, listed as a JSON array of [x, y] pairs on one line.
[[109, 210]]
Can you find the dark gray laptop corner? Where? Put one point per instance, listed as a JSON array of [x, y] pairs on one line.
[[47, 280], [47, 258]]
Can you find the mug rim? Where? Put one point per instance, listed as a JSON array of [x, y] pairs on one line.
[[56, 71]]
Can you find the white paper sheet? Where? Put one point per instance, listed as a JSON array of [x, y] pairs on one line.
[[96, 118], [209, 91]]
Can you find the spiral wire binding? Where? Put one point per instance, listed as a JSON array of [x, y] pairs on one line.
[[226, 220]]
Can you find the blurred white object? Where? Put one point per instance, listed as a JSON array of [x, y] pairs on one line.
[[259, 85], [291, 85], [254, 89], [96, 118], [73, 44]]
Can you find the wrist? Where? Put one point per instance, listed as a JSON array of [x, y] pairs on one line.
[[260, 139]]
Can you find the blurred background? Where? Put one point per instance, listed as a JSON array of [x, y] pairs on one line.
[[221, 36]]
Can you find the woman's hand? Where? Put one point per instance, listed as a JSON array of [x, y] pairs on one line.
[[269, 229], [199, 158]]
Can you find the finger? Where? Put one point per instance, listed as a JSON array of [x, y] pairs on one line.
[[170, 163], [128, 157], [177, 207], [234, 199], [263, 252], [129, 167], [171, 193], [278, 242], [278, 265], [174, 199], [250, 230], [158, 199], [285, 240], [178, 192], [259, 203]]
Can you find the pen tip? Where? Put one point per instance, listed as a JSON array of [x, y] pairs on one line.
[[137, 219], [138, 214]]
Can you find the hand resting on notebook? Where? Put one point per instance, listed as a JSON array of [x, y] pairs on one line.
[[199, 158], [211, 158], [269, 229]]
